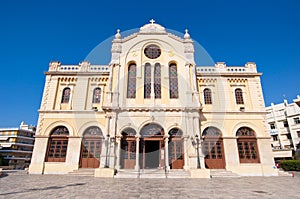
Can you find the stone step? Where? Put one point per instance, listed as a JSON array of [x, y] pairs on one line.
[[284, 173], [178, 174], [152, 173], [83, 172], [127, 174], [222, 173]]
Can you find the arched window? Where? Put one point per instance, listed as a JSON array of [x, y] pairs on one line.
[[207, 96], [157, 80], [211, 132], [147, 81], [247, 145], [173, 82], [131, 84], [97, 95], [66, 95], [57, 145], [239, 96]]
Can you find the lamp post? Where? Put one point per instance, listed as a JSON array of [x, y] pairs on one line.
[[106, 155], [198, 156]]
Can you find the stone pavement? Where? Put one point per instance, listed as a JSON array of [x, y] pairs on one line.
[[21, 185]]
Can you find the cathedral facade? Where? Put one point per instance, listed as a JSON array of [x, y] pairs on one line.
[[152, 108]]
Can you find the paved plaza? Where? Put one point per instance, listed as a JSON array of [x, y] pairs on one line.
[[21, 185]]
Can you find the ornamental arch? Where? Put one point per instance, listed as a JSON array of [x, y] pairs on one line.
[[213, 148]]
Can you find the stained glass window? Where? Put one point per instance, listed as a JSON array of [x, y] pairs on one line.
[[147, 81], [207, 96], [152, 51], [97, 95], [173, 81], [239, 96], [157, 80], [131, 84], [66, 95]]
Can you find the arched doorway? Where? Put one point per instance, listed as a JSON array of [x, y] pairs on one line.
[[152, 147], [128, 149], [213, 148], [176, 158], [247, 145], [57, 145], [91, 147]]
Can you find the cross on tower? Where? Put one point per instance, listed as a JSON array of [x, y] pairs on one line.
[[152, 21]]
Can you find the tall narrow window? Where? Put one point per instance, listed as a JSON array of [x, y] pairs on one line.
[[66, 95], [147, 81], [247, 145], [173, 81], [131, 84], [207, 96], [239, 96], [157, 80], [57, 145], [97, 95]]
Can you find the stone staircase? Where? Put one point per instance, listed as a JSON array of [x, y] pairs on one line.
[[83, 172], [152, 173], [128, 173], [222, 173], [178, 173]]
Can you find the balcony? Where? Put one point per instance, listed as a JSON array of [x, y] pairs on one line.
[[273, 132], [282, 153]]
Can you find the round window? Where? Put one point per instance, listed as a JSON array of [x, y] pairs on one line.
[[152, 51]]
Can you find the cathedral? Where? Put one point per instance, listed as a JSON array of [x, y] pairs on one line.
[[152, 108]]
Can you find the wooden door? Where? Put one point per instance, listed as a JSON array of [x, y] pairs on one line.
[[214, 153], [176, 160], [90, 153], [128, 153]]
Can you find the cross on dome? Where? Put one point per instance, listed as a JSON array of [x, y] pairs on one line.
[[152, 21]]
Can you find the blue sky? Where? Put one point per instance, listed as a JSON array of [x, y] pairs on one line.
[[33, 33]]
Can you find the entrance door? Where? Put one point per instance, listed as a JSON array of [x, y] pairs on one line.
[[90, 153], [128, 152], [152, 154], [91, 148], [176, 154], [214, 153], [150, 151]]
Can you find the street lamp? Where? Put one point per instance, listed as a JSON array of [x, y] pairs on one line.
[[198, 156], [106, 155]]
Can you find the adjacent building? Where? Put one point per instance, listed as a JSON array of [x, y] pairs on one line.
[[284, 126], [16, 146], [152, 108]]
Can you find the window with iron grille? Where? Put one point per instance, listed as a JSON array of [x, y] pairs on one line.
[[239, 96], [207, 96]]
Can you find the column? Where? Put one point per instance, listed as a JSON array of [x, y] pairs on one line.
[[137, 153], [104, 159], [185, 140], [118, 152], [116, 89], [167, 152]]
